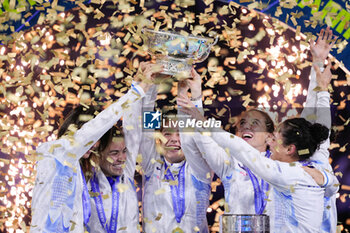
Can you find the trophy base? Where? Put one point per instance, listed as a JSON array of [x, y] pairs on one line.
[[236, 223], [178, 68]]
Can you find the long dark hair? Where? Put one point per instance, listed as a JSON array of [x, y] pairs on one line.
[[305, 136], [92, 162], [78, 117]]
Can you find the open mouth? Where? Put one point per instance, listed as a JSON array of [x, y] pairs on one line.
[[117, 165], [247, 136], [171, 147]]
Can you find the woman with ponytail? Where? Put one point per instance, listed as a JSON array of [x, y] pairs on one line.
[[296, 197]]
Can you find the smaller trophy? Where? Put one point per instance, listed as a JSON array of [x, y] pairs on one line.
[[177, 53], [249, 223]]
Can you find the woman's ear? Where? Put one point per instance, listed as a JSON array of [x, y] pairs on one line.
[[291, 150], [269, 139]]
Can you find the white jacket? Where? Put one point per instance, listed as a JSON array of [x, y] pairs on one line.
[[239, 192], [317, 110], [158, 213], [296, 196], [128, 211], [57, 198]]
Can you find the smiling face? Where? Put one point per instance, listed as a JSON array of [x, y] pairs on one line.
[[252, 128], [173, 151], [280, 151], [113, 158]]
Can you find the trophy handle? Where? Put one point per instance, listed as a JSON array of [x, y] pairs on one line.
[[207, 51], [215, 41]]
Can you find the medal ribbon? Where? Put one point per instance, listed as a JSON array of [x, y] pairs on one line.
[[113, 222], [260, 197], [177, 192], [86, 201]]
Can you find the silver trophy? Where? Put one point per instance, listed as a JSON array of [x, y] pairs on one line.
[[177, 53], [248, 223]]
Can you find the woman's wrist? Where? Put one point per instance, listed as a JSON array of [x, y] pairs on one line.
[[318, 63], [196, 97]]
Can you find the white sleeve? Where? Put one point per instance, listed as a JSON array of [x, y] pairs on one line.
[[85, 137], [192, 153], [323, 116], [309, 111], [281, 175], [321, 156], [323, 111], [217, 158], [317, 110], [93, 130], [194, 157], [148, 143], [331, 183], [132, 129]]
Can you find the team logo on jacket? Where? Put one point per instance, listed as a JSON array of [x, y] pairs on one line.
[[151, 120]]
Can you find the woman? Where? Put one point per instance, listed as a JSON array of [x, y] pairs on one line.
[[60, 192], [114, 205], [240, 197], [175, 190]]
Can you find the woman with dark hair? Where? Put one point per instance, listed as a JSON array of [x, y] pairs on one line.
[[114, 205], [295, 194], [241, 201], [61, 201]]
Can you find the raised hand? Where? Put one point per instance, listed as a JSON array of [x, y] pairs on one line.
[[324, 78], [194, 84], [146, 74], [323, 45], [188, 107]]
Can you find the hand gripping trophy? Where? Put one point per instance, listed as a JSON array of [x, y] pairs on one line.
[[177, 53]]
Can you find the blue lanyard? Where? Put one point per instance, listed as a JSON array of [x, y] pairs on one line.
[[86, 201], [260, 197], [177, 192], [99, 205]]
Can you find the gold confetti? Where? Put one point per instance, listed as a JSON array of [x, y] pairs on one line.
[[303, 152], [159, 191], [122, 187]]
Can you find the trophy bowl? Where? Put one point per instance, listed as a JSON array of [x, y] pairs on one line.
[[248, 223], [177, 53]]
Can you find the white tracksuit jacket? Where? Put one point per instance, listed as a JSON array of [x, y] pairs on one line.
[[57, 198], [317, 110], [128, 213], [158, 213], [239, 192]]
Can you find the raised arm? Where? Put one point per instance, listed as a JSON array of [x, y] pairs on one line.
[[191, 151], [280, 174], [85, 137], [321, 156], [148, 140], [317, 108], [319, 52], [215, 157], [132, 129]]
